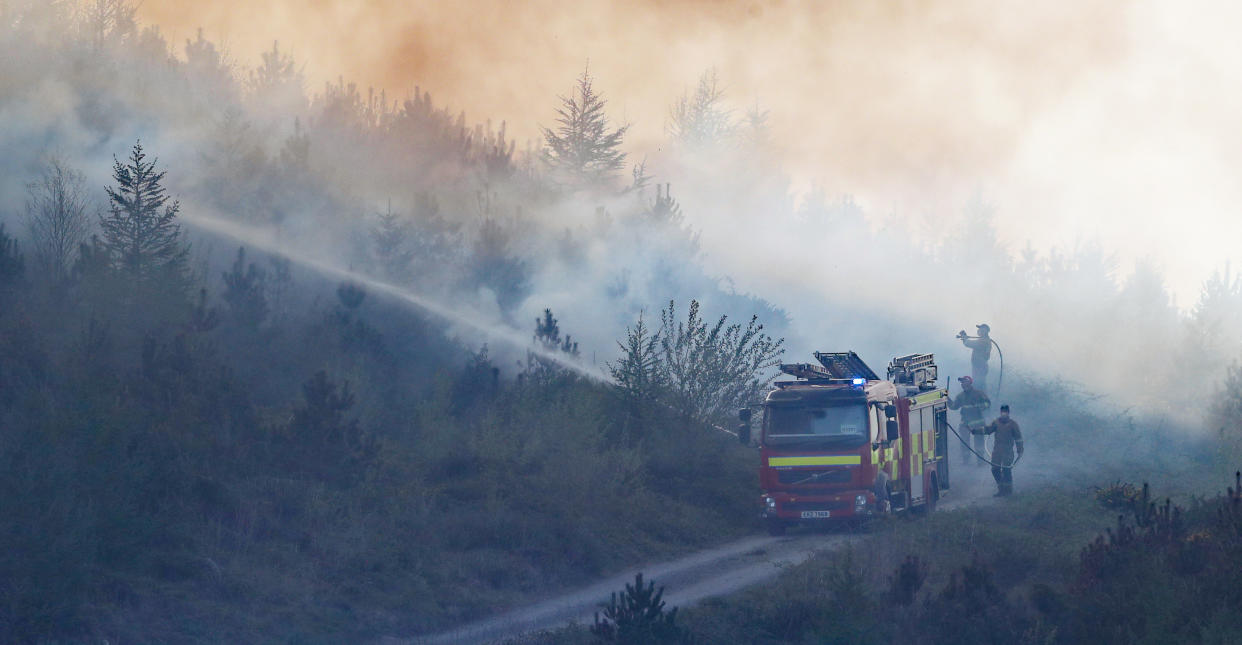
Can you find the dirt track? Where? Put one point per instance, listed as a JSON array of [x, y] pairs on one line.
[[690, 579]]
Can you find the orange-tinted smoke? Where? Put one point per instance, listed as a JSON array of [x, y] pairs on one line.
[[900, 93]]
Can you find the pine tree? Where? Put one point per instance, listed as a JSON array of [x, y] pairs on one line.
[[140, 231], [638, 615], [210, 71], [639, 377], [583, 151], [278, 83], [548, 335], [664, 209], [107, 21], [321, 441], [756, 132], [392, 252], [244, 292], [495, 266], [701, 121], [548, 339]]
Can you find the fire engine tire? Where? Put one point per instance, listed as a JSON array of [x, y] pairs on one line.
[[776, 528]]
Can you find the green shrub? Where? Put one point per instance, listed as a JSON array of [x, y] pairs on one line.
[[638, 617]]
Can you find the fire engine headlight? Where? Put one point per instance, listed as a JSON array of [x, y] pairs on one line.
[[860, 501], [771, 503]]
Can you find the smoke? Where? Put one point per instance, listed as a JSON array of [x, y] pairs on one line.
[[1077, 120], [1082, 128], [455, 315]]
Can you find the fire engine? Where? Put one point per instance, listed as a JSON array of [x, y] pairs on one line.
[[839, 443]]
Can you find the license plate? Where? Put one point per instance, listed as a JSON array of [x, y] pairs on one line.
[[806, 515]]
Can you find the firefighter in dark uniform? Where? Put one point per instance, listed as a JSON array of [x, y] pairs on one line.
[[972, 402], [980, 351], [1008, 435]]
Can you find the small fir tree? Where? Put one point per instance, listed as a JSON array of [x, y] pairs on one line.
[[637, 615], [391, 238], [548, 338], [700, 120], [245, 292], [548, 335], [140, 231], [583, 151]]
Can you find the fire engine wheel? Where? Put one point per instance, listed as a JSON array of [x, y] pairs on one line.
[[776, 528]]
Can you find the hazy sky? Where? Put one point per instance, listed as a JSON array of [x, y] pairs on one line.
[[1076, 120]]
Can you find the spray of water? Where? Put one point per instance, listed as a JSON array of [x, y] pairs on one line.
[[264, 240]]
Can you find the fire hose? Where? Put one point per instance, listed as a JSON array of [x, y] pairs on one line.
[[1000, 379], [1000, 376], [986, 458]]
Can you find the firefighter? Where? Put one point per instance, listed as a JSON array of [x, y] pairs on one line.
[[972, 402], [1008, 434], [980, 351]]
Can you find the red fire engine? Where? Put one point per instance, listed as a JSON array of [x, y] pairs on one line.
[[841, 443]]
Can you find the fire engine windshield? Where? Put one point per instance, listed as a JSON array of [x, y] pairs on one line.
[[842, 426]]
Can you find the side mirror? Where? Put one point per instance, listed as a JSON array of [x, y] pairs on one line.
[[890, 411], [894, 432], [744, 415]]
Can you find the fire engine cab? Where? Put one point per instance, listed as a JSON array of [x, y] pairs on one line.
[[839, 443]]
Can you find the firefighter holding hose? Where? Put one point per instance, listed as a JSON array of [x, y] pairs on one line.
[[980, 351], [972, 402]]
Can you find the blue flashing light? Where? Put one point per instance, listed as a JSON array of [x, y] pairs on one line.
[[860, 381]]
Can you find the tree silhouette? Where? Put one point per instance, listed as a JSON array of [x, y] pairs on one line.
[[244, 292], [583, 151], [548, 335], [140, 231], [700, 120], [106, 21], [56, 216], [277, 83], [638, 616], [392, 252], [711, 368]]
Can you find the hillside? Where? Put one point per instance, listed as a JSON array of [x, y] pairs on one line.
[[292, 365]]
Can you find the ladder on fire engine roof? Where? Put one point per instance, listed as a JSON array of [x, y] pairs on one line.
[[835, 367], [845, 365]]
